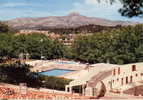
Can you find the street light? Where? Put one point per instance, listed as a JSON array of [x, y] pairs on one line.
[[27, 56]]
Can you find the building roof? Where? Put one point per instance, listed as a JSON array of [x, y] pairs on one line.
[[86, 74], [127, 65]]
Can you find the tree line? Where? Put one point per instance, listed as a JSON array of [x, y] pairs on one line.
[[89, 28], [33, 46], [117, 46]]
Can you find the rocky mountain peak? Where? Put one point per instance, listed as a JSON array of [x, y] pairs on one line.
[[74, 19], [74, 14]]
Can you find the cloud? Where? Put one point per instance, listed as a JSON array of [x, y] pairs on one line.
[[94, 8], [91, 1], [102, 9], [95, 2], [14, 4]]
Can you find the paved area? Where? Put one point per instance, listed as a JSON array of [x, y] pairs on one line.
[[44, 65]]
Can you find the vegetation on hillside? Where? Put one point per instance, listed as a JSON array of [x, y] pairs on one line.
[[89, 28], [4, 28], [118, 46], [32, 46], [53, 82]]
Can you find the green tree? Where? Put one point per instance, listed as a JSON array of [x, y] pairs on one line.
[[118, 46], [5, 46], [5, 28], [130, 8], [37, 46], [52, 82], [16, 73]]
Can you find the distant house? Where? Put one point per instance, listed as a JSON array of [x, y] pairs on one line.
[[32, 31], [105, 78]]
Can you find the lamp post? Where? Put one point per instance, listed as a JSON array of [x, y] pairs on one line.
[[27, 56], [21, 58], [87, 66]]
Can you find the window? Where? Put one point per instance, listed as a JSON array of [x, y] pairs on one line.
[[126, 80], [122, 81], [133, 67], [119, 71], [114, 72], [131, 79], [117, 79]]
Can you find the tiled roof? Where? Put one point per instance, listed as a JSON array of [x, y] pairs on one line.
[[7, 92]]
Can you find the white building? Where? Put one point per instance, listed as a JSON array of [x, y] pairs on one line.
[[104, 78]]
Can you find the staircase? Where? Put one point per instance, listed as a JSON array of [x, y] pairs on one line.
[[99, 77]]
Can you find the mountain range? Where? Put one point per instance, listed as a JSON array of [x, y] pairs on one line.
[[72, 20]]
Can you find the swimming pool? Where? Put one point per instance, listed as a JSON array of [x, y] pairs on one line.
[[55, 72]]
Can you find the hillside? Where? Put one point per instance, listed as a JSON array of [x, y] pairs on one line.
[[73, 20]]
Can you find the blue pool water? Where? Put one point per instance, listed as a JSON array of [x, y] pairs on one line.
[[56, 72]]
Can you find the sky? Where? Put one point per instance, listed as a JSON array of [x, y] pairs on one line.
[[10, 9]]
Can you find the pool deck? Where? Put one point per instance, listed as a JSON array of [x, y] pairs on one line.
[[44, 65]]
